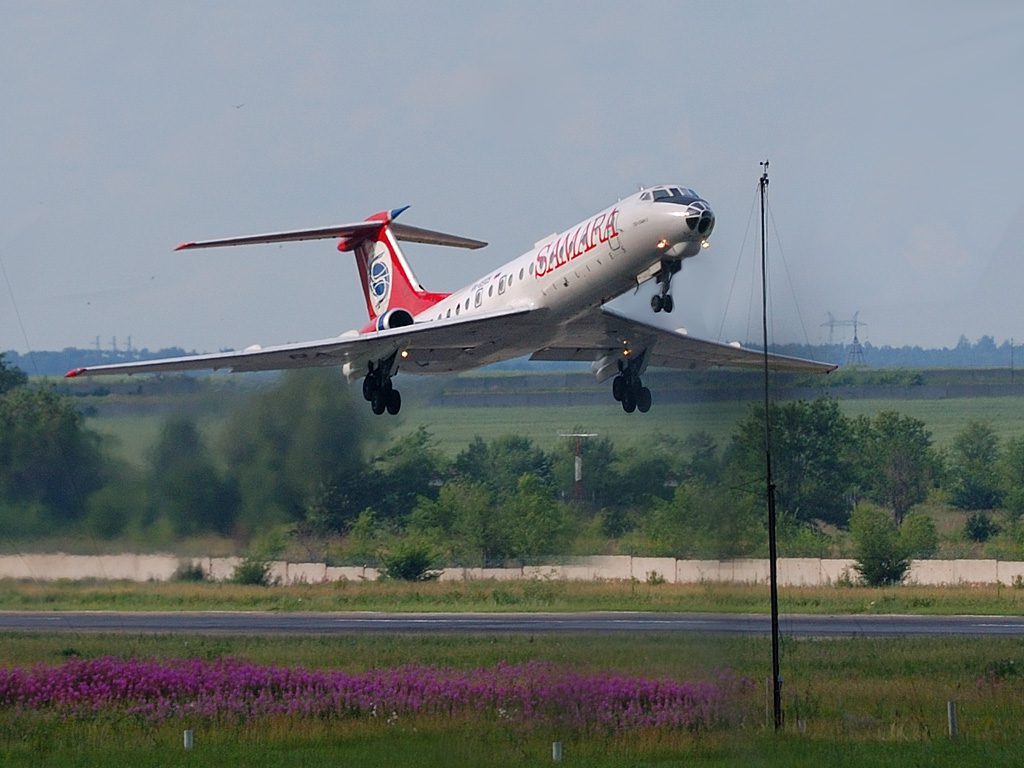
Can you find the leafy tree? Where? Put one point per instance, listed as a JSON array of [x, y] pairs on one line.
[[1011, 475], [703, 521], [537, 523], [47, 457], [647, 472], [813, 446], [498, 465], [899, 462], [121, 504], [881, 555], [411, 468], [704, 464], [187, 490], [974, 481], [10, 376], [298, 444], [463, 524], [366, 536], [918, 536]]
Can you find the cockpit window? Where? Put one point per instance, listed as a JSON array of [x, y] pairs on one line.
[[680, 195]]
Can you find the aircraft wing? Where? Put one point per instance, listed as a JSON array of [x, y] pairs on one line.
[[608, 332], [440, 345], [452, 345]]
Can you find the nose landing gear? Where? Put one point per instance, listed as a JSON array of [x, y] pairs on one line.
[[662, 301]]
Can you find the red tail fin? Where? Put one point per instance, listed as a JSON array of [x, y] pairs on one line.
[[388, 282]]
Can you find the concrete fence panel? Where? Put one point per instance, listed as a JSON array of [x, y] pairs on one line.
[[977, 571], [799, 571], [1010, 573], [792, 571], [747, 571], [653, 568], [612, 567]]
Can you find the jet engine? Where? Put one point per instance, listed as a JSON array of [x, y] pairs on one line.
[[394, 318]]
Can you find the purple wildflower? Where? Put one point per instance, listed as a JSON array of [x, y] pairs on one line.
[[233, 690]]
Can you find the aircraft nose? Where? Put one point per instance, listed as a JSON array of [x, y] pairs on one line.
[[700, 218]]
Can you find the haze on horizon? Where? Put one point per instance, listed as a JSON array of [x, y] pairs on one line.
[[893, 132]]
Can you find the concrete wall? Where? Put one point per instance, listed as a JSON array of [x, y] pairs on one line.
[[792, 571]]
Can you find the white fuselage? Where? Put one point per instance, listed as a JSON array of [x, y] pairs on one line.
[[585, 266]]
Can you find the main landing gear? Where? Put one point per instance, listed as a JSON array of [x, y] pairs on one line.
[[629, 390], [663, 300], [379, 391]]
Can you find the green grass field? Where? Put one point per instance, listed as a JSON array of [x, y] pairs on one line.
[[453, 428], [853, 702]]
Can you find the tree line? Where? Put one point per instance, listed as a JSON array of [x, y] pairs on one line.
[[301, 458]]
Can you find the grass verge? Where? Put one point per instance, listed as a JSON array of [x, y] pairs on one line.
[[496, 596]]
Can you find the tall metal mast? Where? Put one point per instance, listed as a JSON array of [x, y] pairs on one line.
[[773, 576]]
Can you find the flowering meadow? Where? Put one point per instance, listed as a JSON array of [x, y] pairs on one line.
[[238, 691]]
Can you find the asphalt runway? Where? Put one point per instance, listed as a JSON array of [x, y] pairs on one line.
[[244, 623]]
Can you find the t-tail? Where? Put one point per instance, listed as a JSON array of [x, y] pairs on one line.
[[393, 294]]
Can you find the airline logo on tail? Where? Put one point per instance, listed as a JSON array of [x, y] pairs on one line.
[[378, 278]]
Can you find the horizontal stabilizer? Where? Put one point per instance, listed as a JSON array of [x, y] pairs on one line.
[[360, 229], [417, 235], [351, 232]]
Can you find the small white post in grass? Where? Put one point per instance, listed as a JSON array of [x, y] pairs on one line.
[[556, 751], [954, 729], [188, 740]]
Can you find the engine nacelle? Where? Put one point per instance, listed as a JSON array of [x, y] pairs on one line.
[[394, 318]]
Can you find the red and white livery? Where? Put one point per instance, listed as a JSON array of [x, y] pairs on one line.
[[549, 303]]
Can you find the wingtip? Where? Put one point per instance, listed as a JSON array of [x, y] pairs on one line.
[[185, 246], [74, 372]]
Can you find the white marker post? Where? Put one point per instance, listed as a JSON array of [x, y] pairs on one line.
[[188, 740]]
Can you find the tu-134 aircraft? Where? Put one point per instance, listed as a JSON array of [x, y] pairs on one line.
[[549, 303]]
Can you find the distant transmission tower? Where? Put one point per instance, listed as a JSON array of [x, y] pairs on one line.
[[855, 354]]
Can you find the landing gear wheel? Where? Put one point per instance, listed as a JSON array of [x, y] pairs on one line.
[[394, 404], [379, 402], [643, 400], [368, 388], [667, 303], [658, 303], [628, 401], [618, 387]]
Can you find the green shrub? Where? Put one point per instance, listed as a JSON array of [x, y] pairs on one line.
[[980, 527], [881, 556], [252, 571], [410, 562], [919, 536], [189, 571]]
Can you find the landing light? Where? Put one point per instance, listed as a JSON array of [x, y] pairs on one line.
[[662, 244], [705, 244], [405, 353]]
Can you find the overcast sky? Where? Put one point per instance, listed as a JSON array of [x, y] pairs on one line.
[[893, 130]]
